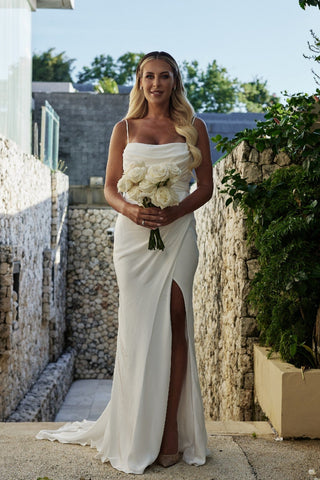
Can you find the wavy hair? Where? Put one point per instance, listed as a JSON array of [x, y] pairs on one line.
[[180, 110]]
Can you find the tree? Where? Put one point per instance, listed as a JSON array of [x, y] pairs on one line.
[[309, 3], [255, 96], [315, 49], [104, 66], [211, 90], [107, 85], [47, 67], [127, 65]]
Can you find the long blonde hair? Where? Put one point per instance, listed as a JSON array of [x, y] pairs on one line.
[[181, 111]]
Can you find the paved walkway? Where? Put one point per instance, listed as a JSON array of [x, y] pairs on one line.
[[85, 399], [239, 450]]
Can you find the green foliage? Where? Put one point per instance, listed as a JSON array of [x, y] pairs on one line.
[[309, 3], [122, 71], [212, 90], [209, 90], [315, 50], [47, 67], [102, 66], [287, 127], [283, 219], [106, 85], [127, 65], [255, 96]]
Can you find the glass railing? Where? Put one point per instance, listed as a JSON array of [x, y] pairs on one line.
[[49, 144]]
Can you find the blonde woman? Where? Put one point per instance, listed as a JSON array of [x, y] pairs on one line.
[[155, 412]]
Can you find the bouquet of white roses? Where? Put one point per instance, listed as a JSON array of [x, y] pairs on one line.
[[151, 187]]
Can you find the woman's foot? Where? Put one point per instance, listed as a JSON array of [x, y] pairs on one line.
[[169, 444], [168, 460]]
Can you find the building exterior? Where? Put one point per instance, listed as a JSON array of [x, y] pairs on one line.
[[86, 122], [16, 65], [33, 237]]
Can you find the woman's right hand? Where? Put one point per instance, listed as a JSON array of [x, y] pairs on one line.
[[146, 217]]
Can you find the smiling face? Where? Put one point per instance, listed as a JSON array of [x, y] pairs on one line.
[[157, 81]]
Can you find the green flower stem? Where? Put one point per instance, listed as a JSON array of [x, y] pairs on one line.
[[155, 240]]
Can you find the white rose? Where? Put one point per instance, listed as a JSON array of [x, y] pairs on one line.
[[164, 197], [147, 187], [135, 194], [124, 184], [136, 174], [158, 173]]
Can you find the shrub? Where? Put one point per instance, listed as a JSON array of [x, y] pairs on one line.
[[283, 219]]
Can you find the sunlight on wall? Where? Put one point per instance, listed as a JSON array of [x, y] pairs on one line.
[[15, 72]]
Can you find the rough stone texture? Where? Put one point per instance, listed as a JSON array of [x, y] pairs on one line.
[[86, 123], [32, 200], [59, 247], [225, 326], [46, 396], [92, 291]]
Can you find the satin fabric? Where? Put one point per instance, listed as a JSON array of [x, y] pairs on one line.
[[128, 434]]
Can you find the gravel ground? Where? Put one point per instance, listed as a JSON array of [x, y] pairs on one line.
[[22, 457]]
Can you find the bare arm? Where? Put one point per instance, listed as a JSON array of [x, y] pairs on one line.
[[203, 192], [155, 217], [114, 172]]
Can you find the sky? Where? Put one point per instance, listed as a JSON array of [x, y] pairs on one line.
[[250, 38]]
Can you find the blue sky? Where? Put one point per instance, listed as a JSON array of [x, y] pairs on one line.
[[263, 38]]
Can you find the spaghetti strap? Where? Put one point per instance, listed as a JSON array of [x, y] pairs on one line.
[[127, 129], [193, 119]]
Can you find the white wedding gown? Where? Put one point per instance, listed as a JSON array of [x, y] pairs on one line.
[[128, 434]]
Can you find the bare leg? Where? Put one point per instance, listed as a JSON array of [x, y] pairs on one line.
[[178, 370]]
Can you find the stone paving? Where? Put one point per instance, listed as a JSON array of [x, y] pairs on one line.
[[239, 450], [85, 399]]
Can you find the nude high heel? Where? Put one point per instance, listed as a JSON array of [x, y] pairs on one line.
[[168, 460]]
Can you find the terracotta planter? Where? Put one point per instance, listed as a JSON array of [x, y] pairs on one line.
[[288, 397]]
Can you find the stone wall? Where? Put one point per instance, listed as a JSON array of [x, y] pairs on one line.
[[33, 203], [92, 292], [87, 119], [225, 327], [46, 396], [86, 123]]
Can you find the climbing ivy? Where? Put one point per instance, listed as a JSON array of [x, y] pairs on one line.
[[287, 127], [283, 219]]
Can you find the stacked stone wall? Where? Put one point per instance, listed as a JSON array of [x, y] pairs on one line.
[[92, 291], [225, 326], [59, 249], [46, 396], [31, 299]]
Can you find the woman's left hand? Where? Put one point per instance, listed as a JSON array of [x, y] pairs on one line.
[[169, 215]]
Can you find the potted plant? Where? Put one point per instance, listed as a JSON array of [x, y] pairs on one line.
[[283, 221]]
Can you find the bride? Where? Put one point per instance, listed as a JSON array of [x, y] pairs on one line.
[[155, 412]]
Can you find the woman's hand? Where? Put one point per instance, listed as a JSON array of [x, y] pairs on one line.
[[152, 217]]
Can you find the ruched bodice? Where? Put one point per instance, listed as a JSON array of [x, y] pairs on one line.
[[129, 432]]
